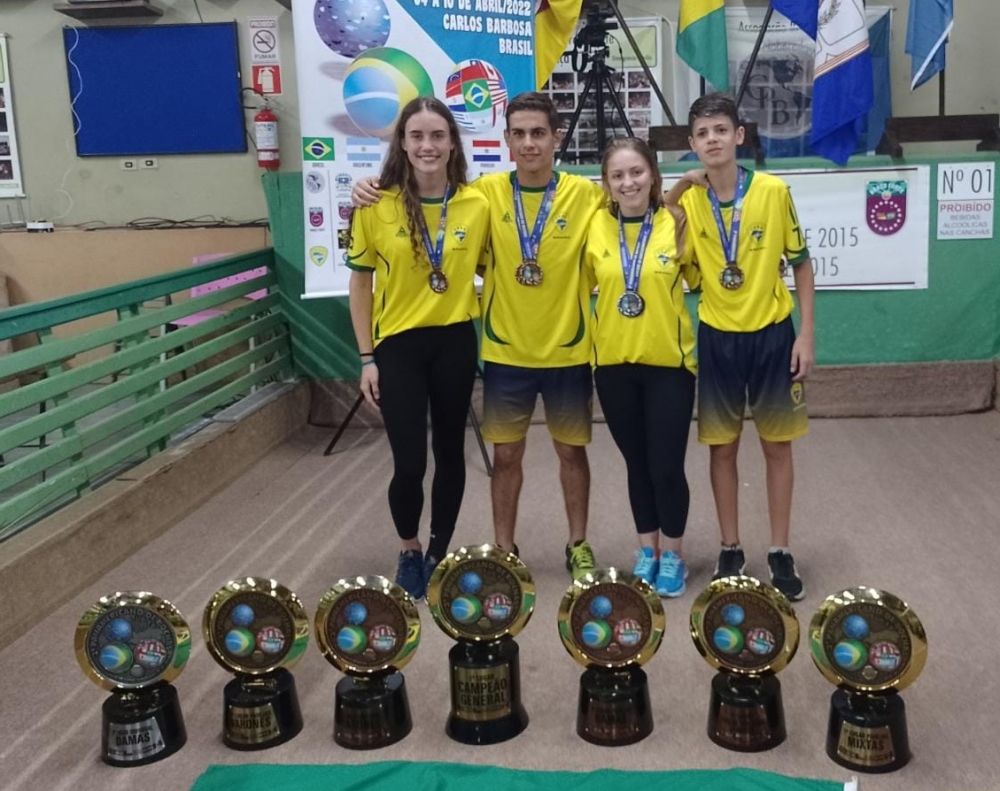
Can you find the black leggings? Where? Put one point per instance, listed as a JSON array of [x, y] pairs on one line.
[[648, 410], [436, 366]]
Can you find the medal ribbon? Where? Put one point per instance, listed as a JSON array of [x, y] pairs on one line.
[[730, 241], [632, 262], [435, 253], [531, 242]]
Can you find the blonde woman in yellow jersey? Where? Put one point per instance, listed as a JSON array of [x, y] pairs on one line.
[[644, 353], [741, 225], [420, 244]]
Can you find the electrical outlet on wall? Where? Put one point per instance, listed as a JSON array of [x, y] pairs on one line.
[[128, 164], [149, 163]]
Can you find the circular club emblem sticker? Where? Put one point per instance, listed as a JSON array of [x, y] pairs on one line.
[[611, 619], [254, 626], [132, 640], [481, 593], [867, 640], [367, 625], [741, 625]]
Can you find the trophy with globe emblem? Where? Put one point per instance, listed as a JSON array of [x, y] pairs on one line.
[[748, 631], [135, 644], [257, 628], [871, 645], [612, 623], [368, 627], [482, 596]]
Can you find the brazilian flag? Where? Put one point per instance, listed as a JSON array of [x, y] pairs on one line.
[[701, 40]]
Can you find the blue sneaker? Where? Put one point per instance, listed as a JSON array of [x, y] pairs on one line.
[[410, 573], [646, 564], [673, 572]]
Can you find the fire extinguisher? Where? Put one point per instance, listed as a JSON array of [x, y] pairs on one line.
[[265, 133]]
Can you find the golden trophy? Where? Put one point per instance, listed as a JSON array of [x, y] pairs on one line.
[[871, 645], [748, 631], [482, 596], [135, 644], [257, 629], [368, 627], [612, 623]]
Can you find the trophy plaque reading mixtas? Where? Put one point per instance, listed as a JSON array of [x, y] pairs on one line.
[[871, 645], [368, 627], [135, 644], [483, 596], [748, 631], [612, 623], [257, 629]]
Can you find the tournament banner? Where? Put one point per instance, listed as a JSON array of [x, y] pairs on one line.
[[867, 229], [360, 61]]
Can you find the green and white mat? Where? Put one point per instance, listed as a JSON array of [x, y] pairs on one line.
[[399, 775]]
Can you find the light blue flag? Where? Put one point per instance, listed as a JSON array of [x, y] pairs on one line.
[[843, 92], [927, 29]]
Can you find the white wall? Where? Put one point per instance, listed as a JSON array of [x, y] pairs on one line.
[[229, 185]]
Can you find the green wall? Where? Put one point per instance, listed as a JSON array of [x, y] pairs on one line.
[[956, 318]]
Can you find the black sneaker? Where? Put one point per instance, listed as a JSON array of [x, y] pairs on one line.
[[731, 563], [430, 563], [784, 577], [410, 573]]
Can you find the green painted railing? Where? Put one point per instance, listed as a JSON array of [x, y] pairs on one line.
[[81, 402]]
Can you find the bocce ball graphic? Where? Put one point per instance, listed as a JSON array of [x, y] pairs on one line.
[[349, 27], [378, 84]]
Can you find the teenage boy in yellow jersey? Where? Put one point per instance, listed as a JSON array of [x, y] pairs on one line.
[[536, 307], [740, 227]]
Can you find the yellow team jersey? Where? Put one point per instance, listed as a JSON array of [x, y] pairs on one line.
[[403, 299], [769, 230], [544, 326], [661, 334]]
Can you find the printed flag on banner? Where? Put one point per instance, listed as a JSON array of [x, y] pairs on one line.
[[701, 40], [555, 21], [927, 29], [485, 150], [843, 90]]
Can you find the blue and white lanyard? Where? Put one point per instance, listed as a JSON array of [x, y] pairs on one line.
[[730, 241], [632, 262], [531, 242], [435, 253]]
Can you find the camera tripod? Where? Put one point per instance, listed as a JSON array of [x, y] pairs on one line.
[[591, 44]]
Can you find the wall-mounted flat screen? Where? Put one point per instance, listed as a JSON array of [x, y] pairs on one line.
[[157, 89]]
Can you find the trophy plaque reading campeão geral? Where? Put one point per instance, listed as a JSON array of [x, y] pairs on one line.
[[483, 596]]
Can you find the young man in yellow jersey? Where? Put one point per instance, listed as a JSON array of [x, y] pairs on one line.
[[536, 308], [741, 225]]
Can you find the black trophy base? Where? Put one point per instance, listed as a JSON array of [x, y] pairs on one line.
[[614, 706], [746, 713], [485, 692], [141, 726], [867, 733], [371, 712], [260, 711]]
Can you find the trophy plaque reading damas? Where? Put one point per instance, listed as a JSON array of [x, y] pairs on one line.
[[748, 631], [257, 629], [612, 623], [482, 596], [368, 628], [135, 644], [871, 645]]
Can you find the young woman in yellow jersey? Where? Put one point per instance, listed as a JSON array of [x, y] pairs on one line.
[[419, 246], [644, 353]]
